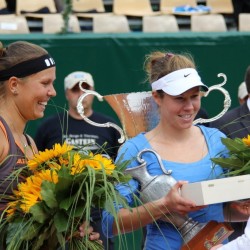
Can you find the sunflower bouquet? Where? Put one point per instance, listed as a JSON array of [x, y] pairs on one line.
[[238, 161], [60, 188]]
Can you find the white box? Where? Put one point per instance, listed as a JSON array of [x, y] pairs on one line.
[[218, 190]]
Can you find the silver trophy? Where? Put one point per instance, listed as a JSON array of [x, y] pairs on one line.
[[139, 113], [155, 187]]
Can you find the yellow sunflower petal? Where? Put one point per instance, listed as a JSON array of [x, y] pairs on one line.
[[246, 140], [48, 155]]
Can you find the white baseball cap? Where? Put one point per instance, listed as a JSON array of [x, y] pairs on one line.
[[75, 77], [242, 91], [179, 81]]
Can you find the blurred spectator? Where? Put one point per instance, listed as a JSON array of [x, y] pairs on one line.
[[11, 5], [240, 6], [59, 5]]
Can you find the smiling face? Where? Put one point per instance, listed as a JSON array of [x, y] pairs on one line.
[[179, 111], [33, 93]]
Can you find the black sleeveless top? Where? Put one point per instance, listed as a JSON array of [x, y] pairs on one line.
[[14, 160]]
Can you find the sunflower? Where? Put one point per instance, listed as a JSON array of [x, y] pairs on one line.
[[105, 162], [29, 192], [97, 162], [47, 155]]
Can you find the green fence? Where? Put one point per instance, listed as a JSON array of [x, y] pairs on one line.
[[116, 60]]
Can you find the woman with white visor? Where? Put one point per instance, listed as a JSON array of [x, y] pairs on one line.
[[184, 148]]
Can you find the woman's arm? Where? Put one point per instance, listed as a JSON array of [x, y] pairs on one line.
[[133, 219]]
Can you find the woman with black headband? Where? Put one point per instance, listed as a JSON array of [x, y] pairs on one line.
[[182, 147], [27, 75]]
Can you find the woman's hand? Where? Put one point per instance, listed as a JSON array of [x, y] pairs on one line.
[[175, 203], [85, 229]]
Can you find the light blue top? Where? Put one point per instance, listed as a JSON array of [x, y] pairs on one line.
[[163, 235]]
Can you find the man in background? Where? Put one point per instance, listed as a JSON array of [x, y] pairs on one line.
[[236, 122], [69, 126]]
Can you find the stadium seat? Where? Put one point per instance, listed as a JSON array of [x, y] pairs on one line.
[[54, 23], [12, 24], [244, 22], [133, 8], [221, 6], [35, 8], [89, 8], [208, 23], [163, 23], [167, 6], [110, 24], [3, 4]]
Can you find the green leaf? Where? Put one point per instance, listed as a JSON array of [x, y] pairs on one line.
[[228, 162], [41, 238], [38, 213], [100, 191], [65, 180], [234, 145], [14, 231], [61, 240], [61, 221], [31, 232], [66, 203], [48, 194], [79, 210]]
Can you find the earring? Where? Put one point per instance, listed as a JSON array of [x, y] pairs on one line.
[[15, 92]]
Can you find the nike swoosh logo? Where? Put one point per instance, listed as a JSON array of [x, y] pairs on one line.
[[187, 75]]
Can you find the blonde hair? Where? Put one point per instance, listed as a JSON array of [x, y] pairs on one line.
[[159, 64]]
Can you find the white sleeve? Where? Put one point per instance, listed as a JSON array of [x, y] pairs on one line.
[[241, 243]]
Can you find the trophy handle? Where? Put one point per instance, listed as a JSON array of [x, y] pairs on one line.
[[80, 110], [227, 100], [142, 161]]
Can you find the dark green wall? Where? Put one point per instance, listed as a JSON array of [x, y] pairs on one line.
[[116, 60]]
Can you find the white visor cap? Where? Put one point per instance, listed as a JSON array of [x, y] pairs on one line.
[[179, 81]]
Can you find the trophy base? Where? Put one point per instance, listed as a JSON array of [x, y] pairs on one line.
[[212, 234]]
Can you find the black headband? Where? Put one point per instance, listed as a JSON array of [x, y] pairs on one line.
[[27, 68]]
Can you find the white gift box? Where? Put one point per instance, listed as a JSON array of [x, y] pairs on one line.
[[218, 190]]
